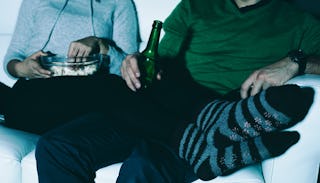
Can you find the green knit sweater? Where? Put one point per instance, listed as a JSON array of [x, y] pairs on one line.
[[222, 44]]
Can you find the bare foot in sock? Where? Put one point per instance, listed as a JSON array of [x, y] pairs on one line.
[[208, 161], [274, 109]]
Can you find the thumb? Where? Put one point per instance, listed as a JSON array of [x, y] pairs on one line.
[[38, 54]]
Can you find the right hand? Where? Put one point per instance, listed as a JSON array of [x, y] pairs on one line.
[[31, 68], [130, 72]]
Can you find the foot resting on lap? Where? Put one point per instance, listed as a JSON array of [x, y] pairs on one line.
[[273, 109], [208, 161]]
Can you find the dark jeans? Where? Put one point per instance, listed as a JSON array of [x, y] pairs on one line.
[[152, 162], [74, 151], [91, 122], [40, 105]]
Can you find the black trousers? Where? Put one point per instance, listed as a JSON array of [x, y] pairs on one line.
[[74, 151], [40, 105], [91, 122], [152, 162]]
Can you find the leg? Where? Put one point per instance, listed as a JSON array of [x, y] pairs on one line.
[[54, 100], [4, 97], [74, 151], [152, 162]]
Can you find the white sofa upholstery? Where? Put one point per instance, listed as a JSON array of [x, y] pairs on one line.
[[17, 160]]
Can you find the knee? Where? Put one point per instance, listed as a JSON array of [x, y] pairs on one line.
[[149, 163], [54, 144], [46, 146], [137, 169]]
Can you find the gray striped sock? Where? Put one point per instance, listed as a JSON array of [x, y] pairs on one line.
[[208, 161], [225, 122]]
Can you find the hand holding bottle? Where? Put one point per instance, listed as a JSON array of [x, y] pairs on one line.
[[130, 72], [140, 70]]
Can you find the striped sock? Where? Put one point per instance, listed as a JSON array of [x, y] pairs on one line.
[[209, 161], [276, 108]]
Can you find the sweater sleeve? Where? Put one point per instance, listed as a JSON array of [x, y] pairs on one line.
[[21, 35], [125, 34], [176, 29]]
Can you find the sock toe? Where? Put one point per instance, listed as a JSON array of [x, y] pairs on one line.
[[278, 142]]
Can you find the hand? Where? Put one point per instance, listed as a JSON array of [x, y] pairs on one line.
[[86, 46], [30, 67], [273, 75], [130, 72]]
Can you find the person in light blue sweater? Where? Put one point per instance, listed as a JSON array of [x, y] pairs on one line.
[[71, 28]]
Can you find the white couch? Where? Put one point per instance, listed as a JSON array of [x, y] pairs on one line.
[[17, 160]]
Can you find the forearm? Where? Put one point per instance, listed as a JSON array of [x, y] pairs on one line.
[[313, 65], [13, 68]]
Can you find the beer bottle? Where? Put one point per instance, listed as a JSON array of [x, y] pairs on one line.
[[148, 58]]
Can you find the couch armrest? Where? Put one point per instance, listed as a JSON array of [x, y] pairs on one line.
[[312, 80]]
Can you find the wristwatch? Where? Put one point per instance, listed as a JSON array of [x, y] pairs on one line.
[[298, 57]]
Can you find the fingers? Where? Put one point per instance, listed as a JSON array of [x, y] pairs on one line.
[[256, 82], [159, 75], [73, 50], [256, 87], [37, 55], [77, 49], [130, 72], [247, 85], [84, 47]]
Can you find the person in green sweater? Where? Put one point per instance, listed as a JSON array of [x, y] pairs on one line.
[[219, 105], [236, 48]]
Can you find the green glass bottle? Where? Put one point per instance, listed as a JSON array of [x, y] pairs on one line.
[[148, 58]]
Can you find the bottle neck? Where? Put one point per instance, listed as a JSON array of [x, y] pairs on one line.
[[151, 49]]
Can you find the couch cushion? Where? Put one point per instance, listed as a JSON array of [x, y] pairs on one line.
[[302, 159], [14, 145]]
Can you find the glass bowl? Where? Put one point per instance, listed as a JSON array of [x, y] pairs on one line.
[[74, 66]]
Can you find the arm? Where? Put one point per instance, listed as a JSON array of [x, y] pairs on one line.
[[277, 74], [282, 71], [125, 34], [175, 27], [28, 68], [22, 33]]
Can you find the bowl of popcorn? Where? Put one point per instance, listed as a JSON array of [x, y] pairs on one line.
[[74, 66]]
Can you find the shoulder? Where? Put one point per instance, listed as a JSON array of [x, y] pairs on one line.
[[292, 12]]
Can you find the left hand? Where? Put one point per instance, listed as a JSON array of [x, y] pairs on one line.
[[86, 46], [272, 75]]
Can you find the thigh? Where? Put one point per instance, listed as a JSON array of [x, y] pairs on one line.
[[90, 139], [180, 94], [152, 162], [39, 105]]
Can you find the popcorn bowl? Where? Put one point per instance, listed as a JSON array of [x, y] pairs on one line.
[[74, 66]]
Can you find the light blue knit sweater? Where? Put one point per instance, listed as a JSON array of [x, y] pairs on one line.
[[111, 19]]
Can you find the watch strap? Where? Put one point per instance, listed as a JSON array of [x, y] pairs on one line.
[[298, 57]]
